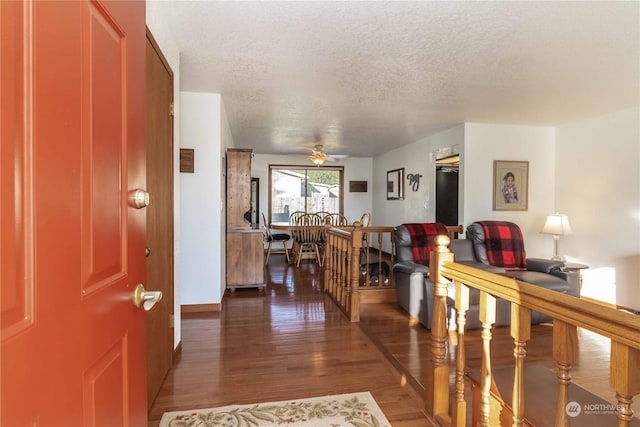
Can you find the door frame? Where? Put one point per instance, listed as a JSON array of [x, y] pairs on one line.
[[160, 224]]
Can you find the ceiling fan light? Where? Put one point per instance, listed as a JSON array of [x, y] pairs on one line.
[[318, 157]]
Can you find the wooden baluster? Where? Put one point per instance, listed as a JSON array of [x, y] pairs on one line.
[[437, 375], [521, 333], [328, 272], [335, 253], [345, 276], [354, 277], [392, 238], [367, 261], [487, 318], [336, 269], [341, 280], [335, 260], [380, 239], [331, 266], [624, 379], [565, 347], [462, 306], [346, 302]]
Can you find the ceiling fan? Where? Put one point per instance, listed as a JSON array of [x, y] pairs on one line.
[[319, 156]]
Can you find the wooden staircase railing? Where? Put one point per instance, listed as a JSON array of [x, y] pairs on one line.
[[354, 266], [568, 313]]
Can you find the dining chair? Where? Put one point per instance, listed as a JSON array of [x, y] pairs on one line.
[[293, 218], [277, 237], [337, 219], [307, 235], [323, 215], [365, 219], [293, 222]]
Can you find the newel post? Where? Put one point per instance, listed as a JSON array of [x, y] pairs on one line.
[[354, 271], [437, 373]]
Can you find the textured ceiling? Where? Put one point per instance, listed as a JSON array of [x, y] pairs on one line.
[[366, 77]]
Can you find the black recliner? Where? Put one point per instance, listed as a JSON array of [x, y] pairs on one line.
[[415, 291]]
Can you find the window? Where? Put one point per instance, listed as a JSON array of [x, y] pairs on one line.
[[296, 188]]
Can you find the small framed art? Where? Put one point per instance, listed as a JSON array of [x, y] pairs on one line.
[[510, 185]]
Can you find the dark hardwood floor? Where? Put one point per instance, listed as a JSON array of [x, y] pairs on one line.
[[292, 342], [289, 342]]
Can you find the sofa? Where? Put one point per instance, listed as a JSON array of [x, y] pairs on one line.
[[415, 290]]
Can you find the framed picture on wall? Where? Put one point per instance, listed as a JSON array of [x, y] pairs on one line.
[[395, 184], [510, 185]]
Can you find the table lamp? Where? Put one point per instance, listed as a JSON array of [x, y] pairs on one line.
[[558, 225]]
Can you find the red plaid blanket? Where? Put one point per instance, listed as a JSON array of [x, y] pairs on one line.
[[505, 244], [423, 237]]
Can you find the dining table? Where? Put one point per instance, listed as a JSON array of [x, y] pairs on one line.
[[291, 228], [284, 225]]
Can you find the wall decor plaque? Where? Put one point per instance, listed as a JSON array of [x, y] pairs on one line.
[[187, 160], [358, 186]]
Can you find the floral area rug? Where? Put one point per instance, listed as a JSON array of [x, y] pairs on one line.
[[353, 409]]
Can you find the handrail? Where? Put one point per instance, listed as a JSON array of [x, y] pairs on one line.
[[568, 312], [356, 265], [352, 270], [611, 323]]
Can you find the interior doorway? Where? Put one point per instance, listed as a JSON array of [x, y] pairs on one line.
[[255, 203], [159, 134], [447, 189]]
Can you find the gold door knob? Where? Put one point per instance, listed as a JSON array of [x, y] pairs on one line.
[[139, 198], [146, 299]]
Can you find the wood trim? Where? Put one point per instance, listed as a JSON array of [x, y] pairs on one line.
[[200, 308], [177, 352], [374, 296], [156, 47], [597, 301], [160, 164], [610, 305], [273, 166]]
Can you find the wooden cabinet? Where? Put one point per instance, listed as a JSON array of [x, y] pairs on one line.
[[245, 259], [245, 247], [238, 187]]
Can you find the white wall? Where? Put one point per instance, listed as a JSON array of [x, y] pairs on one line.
[[479, 145], [226, 142], [202, 219], [485, 143], [172, 55], [589, 170], [598, 187], [574, 175], [416, 158], [355, 169]]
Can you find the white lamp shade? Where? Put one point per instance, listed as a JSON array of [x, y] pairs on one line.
[[557, 224]]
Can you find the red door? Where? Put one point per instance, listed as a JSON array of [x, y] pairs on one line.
[[73, 249]]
